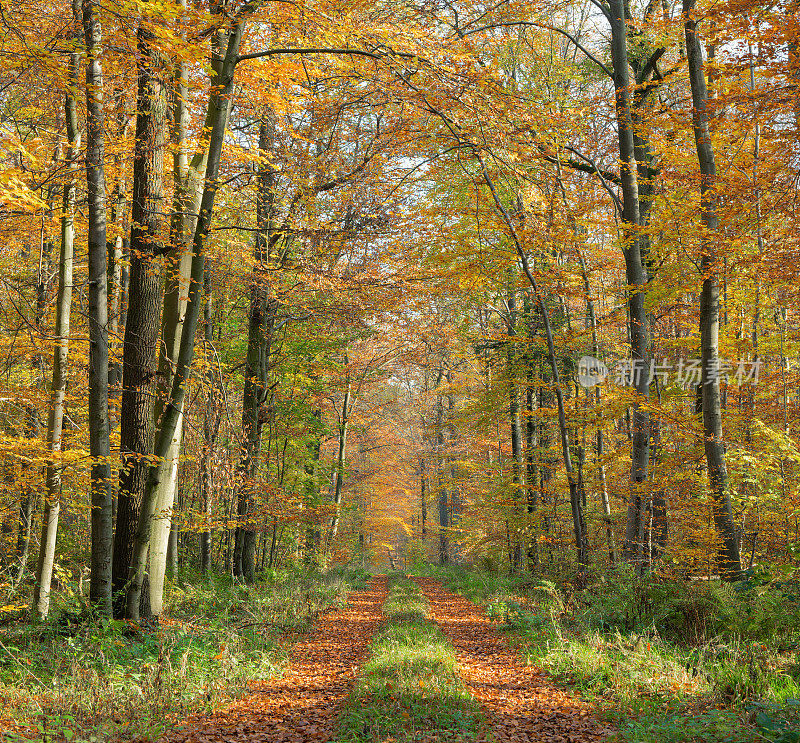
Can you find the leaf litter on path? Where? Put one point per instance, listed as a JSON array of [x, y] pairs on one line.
[[301, 705], [520, 702]]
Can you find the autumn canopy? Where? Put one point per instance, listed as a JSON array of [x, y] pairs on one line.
[[321, 282]]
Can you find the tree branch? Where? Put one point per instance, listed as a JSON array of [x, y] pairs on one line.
[[327, 50], [544, 26], [650, 65]]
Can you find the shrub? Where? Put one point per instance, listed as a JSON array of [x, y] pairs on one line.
[[752, 675], [692, 613]]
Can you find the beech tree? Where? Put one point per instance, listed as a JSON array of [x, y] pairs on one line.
[[99, 446], [55, 423], [730, 561]]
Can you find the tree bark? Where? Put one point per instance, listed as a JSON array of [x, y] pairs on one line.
[[531, 471], [455, 501], [659, 530], [423, 498], [187, 183], [443, 491], [218, 114], [137, 428], [729, 558], [211, 421], [47, 543], [515, 425], [118, 249], [99, 448], [340, 459], [311, 487], [634, 271], [260, 327], [591, 320]]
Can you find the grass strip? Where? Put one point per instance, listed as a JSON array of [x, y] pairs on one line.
[[409, 689]]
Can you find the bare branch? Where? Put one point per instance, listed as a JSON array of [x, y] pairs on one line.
[[546, 27]]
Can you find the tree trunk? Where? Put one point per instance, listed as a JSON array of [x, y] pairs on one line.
[[516, 429], [311, 487], [443, 491], [118, 249], [99, 447], [455, 502], [162, 524], [137, 427], [546, 461], [423, 498], [187, 181], [531, 439], [211, 421], [340, 459], [218, 114], [532, 493], [729, 558], [47, 544], [261, 323], [659, 530], [172, 557], [634, 271], [591, 319]]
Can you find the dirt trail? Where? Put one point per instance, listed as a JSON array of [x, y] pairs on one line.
[[521, 702], [302, 704]]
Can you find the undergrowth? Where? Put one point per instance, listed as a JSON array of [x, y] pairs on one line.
[[409, 689], [666, 660], [76, 679]]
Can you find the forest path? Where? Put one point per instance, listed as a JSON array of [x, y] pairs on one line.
[[520, 702], [301, 705]]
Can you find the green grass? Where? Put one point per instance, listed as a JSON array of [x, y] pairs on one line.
[[665, 662], [75, 680], [408, 689]]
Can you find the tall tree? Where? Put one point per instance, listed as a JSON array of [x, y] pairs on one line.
[[514, 417], [99, 446], [338, 472], [144, 302], [47, 543], [218, 110], [187, 175], [634, 268], [713, 441], [260, 327], [211, 421]]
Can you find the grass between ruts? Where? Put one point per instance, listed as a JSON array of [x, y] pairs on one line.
[[642, 656], [408, 690], [85, 681]]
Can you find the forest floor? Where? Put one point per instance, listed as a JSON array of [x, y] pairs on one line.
[[346, 657], [516, 702]]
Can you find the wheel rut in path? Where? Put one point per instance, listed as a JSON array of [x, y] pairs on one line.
[[301, 705], [520, 702]]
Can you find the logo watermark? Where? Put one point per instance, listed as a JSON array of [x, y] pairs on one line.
[[685, 373], [591, 371]]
